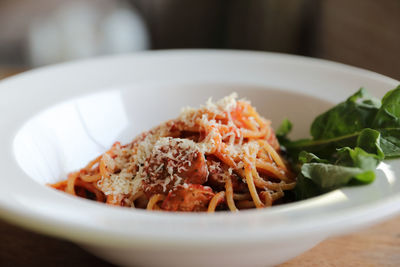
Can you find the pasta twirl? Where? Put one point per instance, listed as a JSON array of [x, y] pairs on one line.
[[221, 156]]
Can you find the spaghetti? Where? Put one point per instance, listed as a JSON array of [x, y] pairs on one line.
[[221, 156]]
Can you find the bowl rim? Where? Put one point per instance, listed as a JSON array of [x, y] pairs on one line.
[[79, 227]]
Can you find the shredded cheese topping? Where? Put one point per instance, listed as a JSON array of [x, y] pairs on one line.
[[155, 155], [222, 155]]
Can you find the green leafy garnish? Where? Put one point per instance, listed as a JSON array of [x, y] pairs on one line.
[[284, 128], [348, 142]]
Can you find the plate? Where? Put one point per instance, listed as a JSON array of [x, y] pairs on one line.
[[55, 119]]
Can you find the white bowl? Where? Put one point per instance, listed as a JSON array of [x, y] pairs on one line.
[[54, 120]]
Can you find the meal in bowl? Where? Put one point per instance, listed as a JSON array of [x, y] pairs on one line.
[[221, 156], [225, 156]]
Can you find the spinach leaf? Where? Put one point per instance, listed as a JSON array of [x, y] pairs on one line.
[[351, 116], [390, 142], [352, 167], [367, 139], [388, 115], [348, 142], [343, 125], [306, 188], [357, 158], [284, 128], [319, 178], [307, 157]]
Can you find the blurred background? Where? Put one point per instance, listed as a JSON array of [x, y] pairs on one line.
[[363, 33], [34, 33]]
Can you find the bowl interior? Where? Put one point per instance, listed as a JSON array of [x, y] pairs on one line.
[[65, 137]]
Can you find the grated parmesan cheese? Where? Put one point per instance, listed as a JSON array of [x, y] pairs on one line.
[[158, 159]]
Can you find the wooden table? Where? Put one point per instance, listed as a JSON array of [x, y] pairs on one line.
[[376, 246]]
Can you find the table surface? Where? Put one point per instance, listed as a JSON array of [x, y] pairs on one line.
[[375, 246]]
